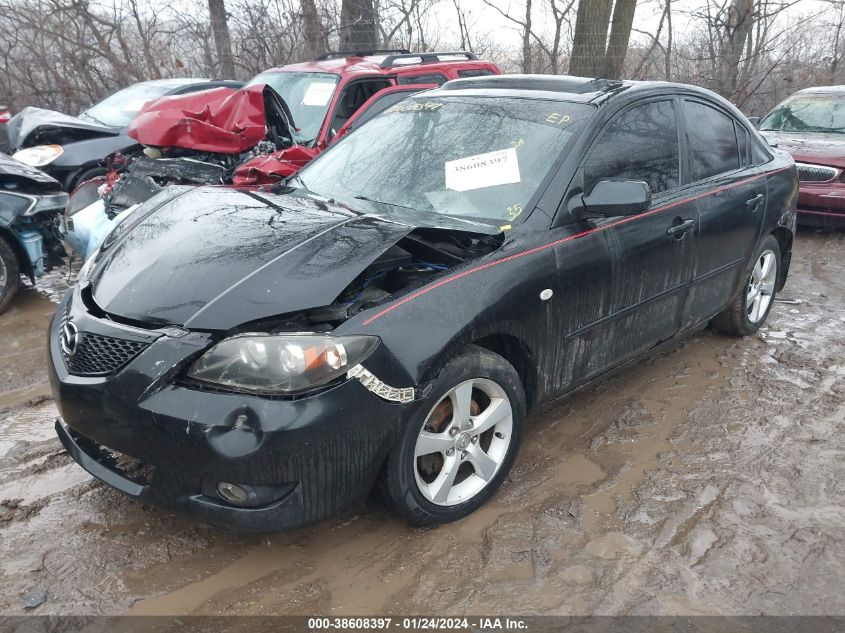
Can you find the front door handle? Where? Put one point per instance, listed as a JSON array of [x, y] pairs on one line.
[[680, 229], [755, 202]]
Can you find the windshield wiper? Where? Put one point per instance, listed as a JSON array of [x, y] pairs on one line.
[[389, 204], [94, 119]]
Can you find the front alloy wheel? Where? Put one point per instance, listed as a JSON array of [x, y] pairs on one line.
[[458, 445], [463, 442]]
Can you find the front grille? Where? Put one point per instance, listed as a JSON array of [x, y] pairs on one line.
[[815, 173], [98, 355]]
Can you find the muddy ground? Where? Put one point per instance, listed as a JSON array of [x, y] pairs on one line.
[[708, 479]]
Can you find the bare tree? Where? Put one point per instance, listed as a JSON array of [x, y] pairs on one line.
[[358, 25], [590, 40], [222, 39], [593, 53]]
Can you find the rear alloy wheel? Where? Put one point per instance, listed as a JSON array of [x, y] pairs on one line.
[[752, 304], [761, 287], [10, 274], [456, 452]]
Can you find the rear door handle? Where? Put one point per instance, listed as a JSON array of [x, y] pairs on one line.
[[755, 202], [678, 230]]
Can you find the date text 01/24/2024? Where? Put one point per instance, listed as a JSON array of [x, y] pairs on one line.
[[418, 624]]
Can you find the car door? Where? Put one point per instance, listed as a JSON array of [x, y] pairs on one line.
[[731, 193], [651, 254]]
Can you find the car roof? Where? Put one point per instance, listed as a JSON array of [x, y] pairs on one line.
[[823, 90], [174, 82], [382, 63], [565, 87]]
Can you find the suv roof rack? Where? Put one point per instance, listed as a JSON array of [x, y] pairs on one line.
[[425, 58], [362, 53], [551, 83]]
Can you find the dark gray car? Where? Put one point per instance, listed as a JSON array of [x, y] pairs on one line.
[[71, 149]]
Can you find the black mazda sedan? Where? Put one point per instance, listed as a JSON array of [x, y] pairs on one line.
[[389, 317]]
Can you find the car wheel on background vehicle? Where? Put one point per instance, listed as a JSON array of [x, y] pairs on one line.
[[752, 305], [10, 276], [455, 453], [86, 175]]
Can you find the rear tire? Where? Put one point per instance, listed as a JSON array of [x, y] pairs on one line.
[[751, 306], [456, 450], [10, 274]]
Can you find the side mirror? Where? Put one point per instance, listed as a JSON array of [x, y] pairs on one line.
[[616, 197], [754, 120]]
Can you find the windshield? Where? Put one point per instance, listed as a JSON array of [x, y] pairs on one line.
[[461, 156], [822, 113], [308, 96], [119, 109]]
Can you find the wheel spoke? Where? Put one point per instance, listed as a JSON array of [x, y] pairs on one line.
[[768, 288], [752, 296], [757, 273], [461, 398], [429, 443], [440, 487], [755, 310], [485, 466], [497, 411], [768, 262]]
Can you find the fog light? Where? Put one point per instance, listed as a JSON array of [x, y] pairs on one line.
[[232, 493]]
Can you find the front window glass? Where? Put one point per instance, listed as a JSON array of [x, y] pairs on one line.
[[819, 113], [461, 156], [119, 109], [308, 96], [639, 144]]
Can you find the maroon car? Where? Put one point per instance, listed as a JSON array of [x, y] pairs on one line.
[[810, 125]]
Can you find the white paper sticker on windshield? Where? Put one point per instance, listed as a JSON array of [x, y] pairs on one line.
[[484, 170], [318, 94], [134, 105]]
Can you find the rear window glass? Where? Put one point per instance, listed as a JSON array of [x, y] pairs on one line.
[[475, 72], [430, 78], [712, 141]]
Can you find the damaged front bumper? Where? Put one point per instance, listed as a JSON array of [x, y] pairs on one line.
[[145, 433]]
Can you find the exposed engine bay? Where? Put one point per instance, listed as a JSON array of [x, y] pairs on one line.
[[414, 261]]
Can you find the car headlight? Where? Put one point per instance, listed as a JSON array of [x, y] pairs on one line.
[[25, 204], [39, 155], [280, 363], [53, 202]]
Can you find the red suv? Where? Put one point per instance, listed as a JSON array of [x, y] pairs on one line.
[[323, 98], [810, 125]]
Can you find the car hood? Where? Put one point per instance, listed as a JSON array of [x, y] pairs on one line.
[[17, 176], [213, 258], [811, 147], [36, 126]]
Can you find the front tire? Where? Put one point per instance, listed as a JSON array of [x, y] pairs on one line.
[[751, 306], [10, 274], [460, 445]]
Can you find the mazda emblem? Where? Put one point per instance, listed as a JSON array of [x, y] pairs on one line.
[[69, 338]]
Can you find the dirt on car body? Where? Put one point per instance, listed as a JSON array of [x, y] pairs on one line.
[[707, 479]]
